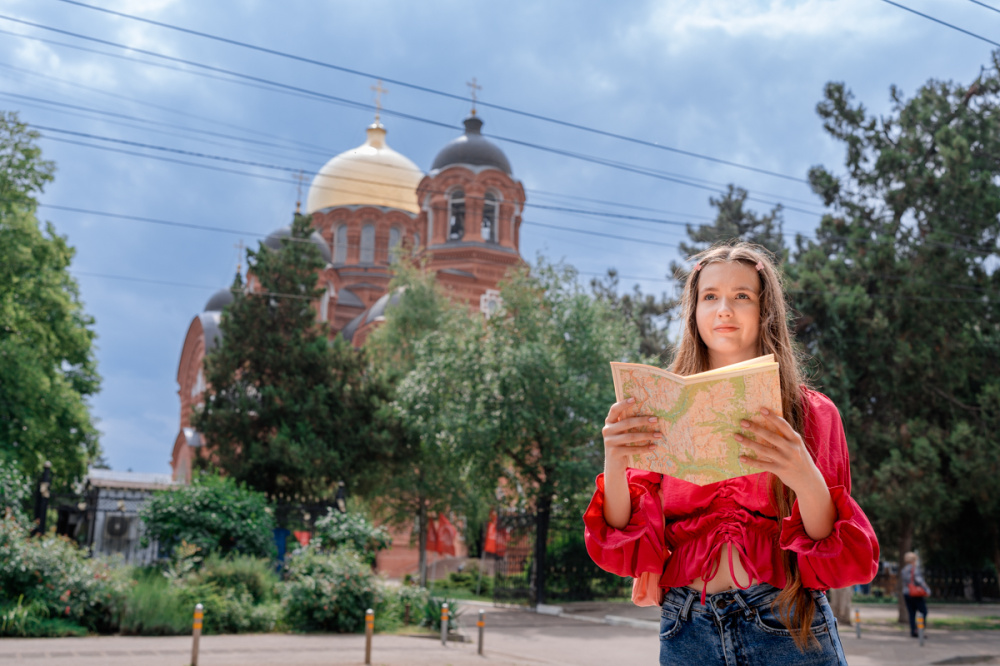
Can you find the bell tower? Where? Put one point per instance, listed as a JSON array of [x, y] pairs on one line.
[[471, 206]]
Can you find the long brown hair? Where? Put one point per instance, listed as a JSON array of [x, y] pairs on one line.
[[794, 604]]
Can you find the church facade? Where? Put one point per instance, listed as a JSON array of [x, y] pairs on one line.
[[462, 216]]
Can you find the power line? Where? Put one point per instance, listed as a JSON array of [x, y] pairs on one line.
[[200, 227], [983, 4], [281, 180], [944, 23], [653, 173], [527, 114]]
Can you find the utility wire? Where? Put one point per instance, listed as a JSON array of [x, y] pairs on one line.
[[405, 84], [983, 4], [282, 180], [281, 87], [944, 23]]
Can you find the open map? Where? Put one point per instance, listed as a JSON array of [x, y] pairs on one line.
[[699, 415]]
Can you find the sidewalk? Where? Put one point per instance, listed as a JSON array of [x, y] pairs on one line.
[[513, 636]]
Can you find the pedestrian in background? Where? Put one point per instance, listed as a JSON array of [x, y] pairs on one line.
[[915, 590]]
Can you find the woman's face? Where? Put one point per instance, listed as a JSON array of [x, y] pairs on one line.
[[728, 312]]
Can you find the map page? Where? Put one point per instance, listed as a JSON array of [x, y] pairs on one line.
[[699, 414]]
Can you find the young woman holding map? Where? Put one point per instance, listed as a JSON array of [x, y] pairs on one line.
[[739, 566]]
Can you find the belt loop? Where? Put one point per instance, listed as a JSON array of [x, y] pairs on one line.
[[747, 611], [686, 609]]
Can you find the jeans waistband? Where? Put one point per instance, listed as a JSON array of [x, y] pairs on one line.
[[686, 599]]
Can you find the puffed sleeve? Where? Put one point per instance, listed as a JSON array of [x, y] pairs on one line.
[[849, 554], [638, 547]]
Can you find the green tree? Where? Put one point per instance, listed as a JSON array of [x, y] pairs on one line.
[[287, 411], [651, 315], [214, 513], [898, 296], [522, 396], [734, 222], [420, 472], [47, 366]]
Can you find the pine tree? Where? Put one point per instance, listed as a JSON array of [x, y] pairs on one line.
[[287, 411], [898, 300]]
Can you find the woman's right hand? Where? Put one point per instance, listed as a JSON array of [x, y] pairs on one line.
[[625, 436]]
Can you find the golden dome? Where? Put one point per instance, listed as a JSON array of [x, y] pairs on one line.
[[372, 174]]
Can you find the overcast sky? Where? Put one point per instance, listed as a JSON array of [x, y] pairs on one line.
[[737, 80]]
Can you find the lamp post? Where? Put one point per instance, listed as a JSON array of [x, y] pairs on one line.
[[341, 498], [42, 494]]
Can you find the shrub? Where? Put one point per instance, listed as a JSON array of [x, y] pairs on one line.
[[329, 591], [215, 514], [32, 620], [49, 577], [432, 613], [155, 607], [15, 492], [338, 530], [241, 573]]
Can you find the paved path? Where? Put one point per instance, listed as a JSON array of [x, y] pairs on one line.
[[513, 637]]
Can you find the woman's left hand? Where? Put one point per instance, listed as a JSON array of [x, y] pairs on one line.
[[781, 451]]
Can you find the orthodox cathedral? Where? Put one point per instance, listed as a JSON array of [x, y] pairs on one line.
[[463, 217]]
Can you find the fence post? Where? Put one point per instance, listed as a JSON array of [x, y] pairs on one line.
[[857, 622], [369, 628], [920, 628], [481, 624], [196, 632], [444, 623]]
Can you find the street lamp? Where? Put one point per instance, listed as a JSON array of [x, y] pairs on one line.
[[341, 498]]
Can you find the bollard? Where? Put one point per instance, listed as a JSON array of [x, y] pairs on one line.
[[920, 629], [369, 628], [481, 624], [857, 622], [444, 624], [196, 632]]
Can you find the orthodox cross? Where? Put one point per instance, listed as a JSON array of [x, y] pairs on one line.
[[300, 177], [379, 91], [239, 256], [473, 86]]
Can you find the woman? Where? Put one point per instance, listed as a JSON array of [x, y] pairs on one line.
[[743, 563], [912, 575]]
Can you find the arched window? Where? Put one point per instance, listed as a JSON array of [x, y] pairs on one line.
[[491, 208], [368, 244], [394, 237], [456, 215], [340, 245]]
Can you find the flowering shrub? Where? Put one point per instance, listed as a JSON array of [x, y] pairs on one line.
[[15, 491], [338, 530], [215, 514], [49, 578], [329, 591]]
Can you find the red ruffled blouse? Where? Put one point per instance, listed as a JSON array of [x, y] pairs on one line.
[[682, 537]]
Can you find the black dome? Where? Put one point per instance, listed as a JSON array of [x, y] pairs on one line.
[[471, 148], [219, 300], [273, 241]]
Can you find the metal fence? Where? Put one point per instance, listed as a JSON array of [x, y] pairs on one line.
[[513, 580], [951, 584]]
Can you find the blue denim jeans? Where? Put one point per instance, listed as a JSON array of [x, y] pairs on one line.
[[738, 627]]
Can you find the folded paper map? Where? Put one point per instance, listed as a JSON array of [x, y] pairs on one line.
[[699, 415]]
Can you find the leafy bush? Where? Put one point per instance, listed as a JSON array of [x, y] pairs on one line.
[[15, 492], [243, 574], [215, 514], [432, 613], [338, 530], [32, 620], [49, 577], [155, 607], [329, 591], [468, 580]]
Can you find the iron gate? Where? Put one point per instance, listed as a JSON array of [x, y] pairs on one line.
[[514, 578]]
